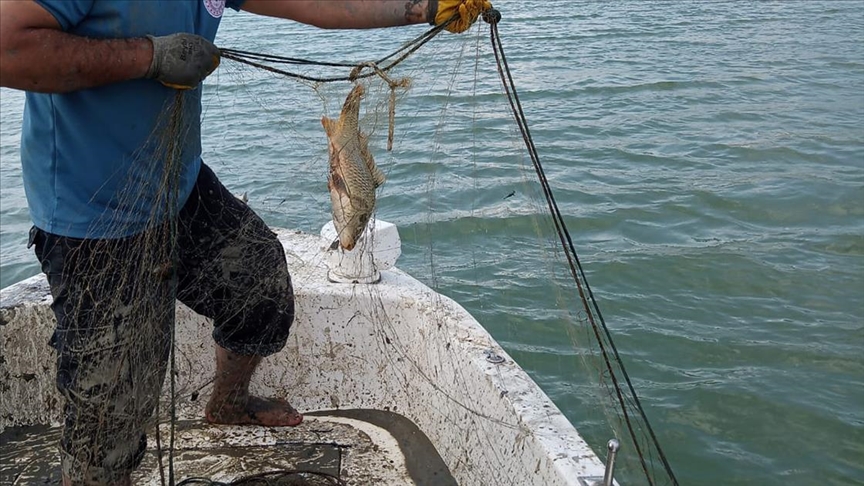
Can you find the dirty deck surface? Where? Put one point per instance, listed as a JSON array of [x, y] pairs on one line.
[[356, 447]]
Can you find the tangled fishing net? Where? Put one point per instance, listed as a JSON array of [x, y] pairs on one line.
[[140, 279]]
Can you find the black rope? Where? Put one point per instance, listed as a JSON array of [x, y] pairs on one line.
[[259, 60], [493, 17]]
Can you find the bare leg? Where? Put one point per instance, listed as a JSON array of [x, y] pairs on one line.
[[231, 403]]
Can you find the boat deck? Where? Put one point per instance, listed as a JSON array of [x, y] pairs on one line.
[[395, 346], [353, 447]]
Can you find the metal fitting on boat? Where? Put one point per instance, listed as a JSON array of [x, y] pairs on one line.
[[493, 357], [613, 447]]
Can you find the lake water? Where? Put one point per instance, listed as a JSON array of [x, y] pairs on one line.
[[708, 158]]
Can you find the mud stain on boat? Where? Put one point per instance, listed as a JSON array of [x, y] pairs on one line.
[[324, 446]]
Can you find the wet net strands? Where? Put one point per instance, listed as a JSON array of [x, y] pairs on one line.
[[629, 409], [641, 434], [157, 259]]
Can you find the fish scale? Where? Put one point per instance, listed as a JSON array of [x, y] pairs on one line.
[[353, 175]]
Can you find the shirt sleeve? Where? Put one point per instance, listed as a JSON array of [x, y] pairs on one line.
[[235, 4], [69, 12]]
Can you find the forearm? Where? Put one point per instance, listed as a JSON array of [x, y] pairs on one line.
[[52, 61], [36, 55], [344, 14]]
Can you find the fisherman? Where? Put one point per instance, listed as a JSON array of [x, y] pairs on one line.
[[99, 75]]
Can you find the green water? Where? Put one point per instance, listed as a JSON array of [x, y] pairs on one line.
[[709, 160]]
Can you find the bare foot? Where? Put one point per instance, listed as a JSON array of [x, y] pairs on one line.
[[268, 412]]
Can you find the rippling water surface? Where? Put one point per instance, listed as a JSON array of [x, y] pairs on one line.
[[708, 157]]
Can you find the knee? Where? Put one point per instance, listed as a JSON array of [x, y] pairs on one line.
[[278, 292], [278, 278], [285, 315]]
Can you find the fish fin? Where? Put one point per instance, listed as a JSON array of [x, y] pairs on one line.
[[364, 149], [377, 176], [335, 244], [331, 126]]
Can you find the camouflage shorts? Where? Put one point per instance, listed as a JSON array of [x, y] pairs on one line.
[[114, 303]]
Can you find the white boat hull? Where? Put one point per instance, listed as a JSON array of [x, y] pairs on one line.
[[395, 345]]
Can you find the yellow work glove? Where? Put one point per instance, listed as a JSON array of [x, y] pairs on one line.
[[468, 11]]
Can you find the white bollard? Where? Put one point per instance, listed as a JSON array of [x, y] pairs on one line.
[[376, 250]]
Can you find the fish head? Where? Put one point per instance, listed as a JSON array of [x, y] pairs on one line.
[[353, 229]]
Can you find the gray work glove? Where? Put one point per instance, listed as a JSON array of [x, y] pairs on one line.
[[182, 60]]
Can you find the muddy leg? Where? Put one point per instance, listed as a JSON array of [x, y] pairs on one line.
[[231, 402]]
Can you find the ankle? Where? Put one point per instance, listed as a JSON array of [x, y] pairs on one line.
[[231, 398]]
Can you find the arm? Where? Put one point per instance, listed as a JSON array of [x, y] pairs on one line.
[[344, 14], [36, 55]]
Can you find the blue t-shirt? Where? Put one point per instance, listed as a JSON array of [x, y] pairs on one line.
[[94, 160]]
